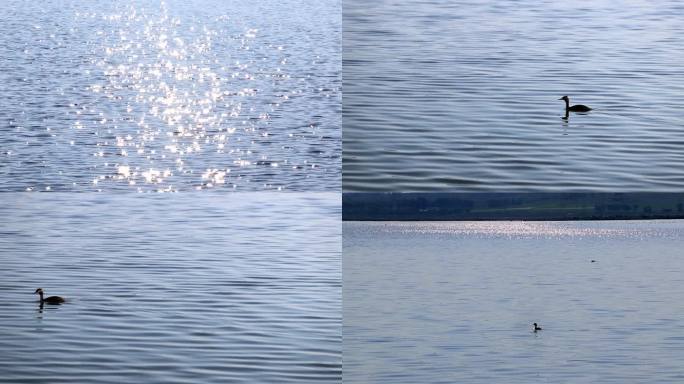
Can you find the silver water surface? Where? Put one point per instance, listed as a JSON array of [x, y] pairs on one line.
[[170, 95], [462, 95], [454, 302], [189, 288]]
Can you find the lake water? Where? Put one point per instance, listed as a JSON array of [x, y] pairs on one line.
[[183, 288], [454, 302], [170, 95], [462, 95]]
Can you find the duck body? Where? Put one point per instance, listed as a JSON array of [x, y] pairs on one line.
[[50, 299], [579, 108], [576, 107], [53, 300]]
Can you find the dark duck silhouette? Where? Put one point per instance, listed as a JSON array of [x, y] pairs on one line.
[[49, 300], [537, 327], [574, 108]]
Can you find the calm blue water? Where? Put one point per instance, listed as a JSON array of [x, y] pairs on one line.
[[183, 288], [170, 95], [462, 95], [454, 302]]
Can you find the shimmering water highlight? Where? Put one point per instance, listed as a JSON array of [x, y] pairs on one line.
[[171, 95]]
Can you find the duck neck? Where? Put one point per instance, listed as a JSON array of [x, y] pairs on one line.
[[567, 104], [41, 296]]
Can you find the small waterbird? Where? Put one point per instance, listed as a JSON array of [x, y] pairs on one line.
[[49, 300], [574, 108], [537, 327]]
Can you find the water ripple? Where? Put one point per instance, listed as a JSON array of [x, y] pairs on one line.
[[192, 287], [166, 96], [463, 96], [454, 302]]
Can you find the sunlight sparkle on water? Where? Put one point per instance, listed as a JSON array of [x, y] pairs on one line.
[[104, 96], [171, 98], [511, 229]]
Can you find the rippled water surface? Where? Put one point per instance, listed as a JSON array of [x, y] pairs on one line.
[[170, 95], [461, 95], [455, 302], [195, 288]]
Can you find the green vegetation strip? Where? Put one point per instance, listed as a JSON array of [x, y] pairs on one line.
[[512, 206]]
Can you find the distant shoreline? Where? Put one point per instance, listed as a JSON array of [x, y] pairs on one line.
[[446, 206]]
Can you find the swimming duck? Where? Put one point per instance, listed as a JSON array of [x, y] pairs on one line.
[[537, 327], [574, 108], [49, 300]]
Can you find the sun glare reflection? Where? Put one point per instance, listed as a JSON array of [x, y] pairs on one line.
[[174, 98], [515, 229]]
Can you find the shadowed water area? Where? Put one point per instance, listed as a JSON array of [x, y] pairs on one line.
[[186, 288], [170, 95], [454, 302], [464, 95]]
